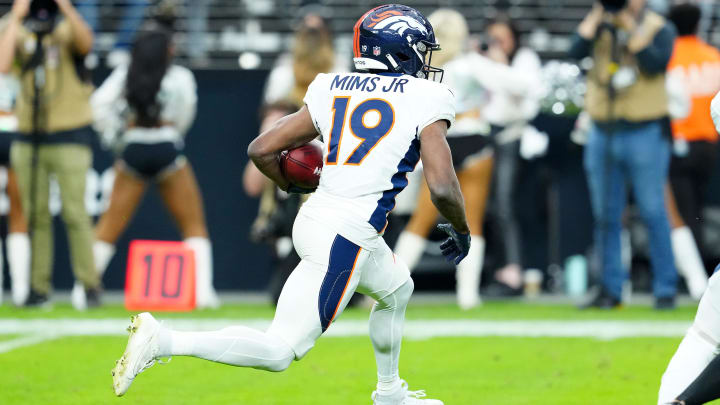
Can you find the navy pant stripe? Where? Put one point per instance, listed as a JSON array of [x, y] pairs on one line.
[[343, 256]]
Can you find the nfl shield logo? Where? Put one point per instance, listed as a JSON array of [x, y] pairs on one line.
[[364, 48], [376, 50]]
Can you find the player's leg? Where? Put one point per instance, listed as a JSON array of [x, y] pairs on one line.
[[698, 347], [18, 243], [181, 194], [475, 184], [296, 327], [387, 279], [314, 295], [412, 241]]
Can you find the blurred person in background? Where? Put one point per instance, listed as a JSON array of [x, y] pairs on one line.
[[513, 102], [277, 209], [312, 53], [471, 152], [17, 244], [44, 43], [133, 14], [696, 65], [628, 103], [144, 110]]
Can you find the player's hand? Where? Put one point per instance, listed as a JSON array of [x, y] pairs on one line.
[[457, 246], [20, 9], [293, 189]]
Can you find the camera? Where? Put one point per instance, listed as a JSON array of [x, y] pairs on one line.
[[42, 15], [613, 6]]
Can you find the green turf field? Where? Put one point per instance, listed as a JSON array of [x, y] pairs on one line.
[[340, 370]]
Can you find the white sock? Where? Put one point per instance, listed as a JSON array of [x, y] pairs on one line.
[[237, 346], [386, 327], [688, 261], [18, 255], [468, 274], [103, 252], [409, 248], [205, 295]]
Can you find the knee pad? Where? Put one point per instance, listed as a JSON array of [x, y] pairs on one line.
[[401, 296], [279, 365], [284, 357]]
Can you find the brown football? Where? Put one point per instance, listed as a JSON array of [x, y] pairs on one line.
[[302, 166]]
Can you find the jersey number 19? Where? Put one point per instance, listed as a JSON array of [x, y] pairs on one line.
[[369, 135]]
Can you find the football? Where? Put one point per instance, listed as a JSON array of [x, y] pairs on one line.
[[302, 166]]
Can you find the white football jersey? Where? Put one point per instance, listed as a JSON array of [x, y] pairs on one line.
[[370, 125]]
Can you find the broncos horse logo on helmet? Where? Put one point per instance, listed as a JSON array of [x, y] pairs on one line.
[[395, 38]]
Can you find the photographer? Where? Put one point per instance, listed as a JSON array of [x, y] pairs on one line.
[[629, 139], [44, 43]]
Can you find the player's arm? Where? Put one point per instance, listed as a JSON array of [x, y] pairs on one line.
[[288, 132], [445, 189]]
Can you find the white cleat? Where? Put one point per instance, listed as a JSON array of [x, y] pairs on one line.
[[404, 397], [140, 353]]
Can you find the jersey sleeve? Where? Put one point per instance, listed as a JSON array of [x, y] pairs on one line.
[[442, 107], [315, 99]]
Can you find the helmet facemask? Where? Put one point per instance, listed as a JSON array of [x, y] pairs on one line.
[[425, 50]]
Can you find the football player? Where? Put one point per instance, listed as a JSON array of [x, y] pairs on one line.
[[696, 357], [376, 126]]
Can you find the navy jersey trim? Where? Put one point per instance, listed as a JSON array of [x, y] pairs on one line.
[[399, 180], [343, 259]]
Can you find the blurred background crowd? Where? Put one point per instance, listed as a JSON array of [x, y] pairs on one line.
[[584, 143]]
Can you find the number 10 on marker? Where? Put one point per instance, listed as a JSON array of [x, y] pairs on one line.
[[160, 277]]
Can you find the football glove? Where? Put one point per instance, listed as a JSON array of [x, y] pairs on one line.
[[457, 246]]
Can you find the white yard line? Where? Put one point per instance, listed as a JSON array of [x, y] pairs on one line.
[[22, 341], [414, 329]]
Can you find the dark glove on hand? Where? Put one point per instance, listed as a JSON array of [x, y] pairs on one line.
[[293, 189], [457, 246]]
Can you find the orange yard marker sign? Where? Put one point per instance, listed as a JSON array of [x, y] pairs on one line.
[[160, 277]]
